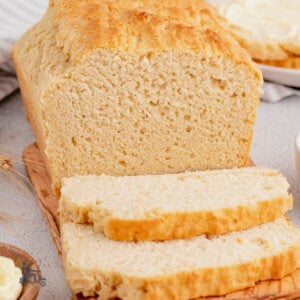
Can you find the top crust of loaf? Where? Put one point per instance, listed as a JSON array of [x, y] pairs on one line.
[[66, 65], [138, 26]]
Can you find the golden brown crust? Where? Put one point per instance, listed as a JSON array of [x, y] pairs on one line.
[[187, 283], [50, 56], [292, 62], [276, 54], [258, 49], [35, 71], [204, 282], [220, 281], [181, 225], [30, 108], [142, 26], [187, 225]]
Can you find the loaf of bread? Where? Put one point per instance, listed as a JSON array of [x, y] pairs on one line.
[[134, 87], [268, 29], [179, 269], [175, 206]]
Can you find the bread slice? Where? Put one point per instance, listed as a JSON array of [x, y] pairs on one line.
[[171, 206], [269, 30], [179, 269], [136, 87], [291, 62]]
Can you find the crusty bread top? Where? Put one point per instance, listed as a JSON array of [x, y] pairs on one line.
[[139, 26], [136, 113]]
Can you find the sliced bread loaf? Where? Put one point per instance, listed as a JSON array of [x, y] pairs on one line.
[[160, 207], [133, 87], [179, 269]]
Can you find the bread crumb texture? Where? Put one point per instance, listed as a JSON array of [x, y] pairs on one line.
[[179, 269], [174, 206], [136, 87]]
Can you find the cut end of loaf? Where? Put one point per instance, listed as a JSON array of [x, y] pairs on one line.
[[151, 114], [175, 106]]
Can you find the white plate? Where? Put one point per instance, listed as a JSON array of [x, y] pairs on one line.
[[297, 156], [284, 76]]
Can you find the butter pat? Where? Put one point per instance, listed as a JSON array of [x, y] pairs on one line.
[[270, 20], [10, 287]]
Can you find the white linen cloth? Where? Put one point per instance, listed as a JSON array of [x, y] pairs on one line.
[[16, 16], [274, 92]]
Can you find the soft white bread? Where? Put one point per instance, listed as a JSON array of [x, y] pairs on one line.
[[171, 206], [179, 269], [268, 29], [133, 87]]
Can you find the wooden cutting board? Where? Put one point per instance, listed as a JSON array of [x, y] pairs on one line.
[[287, 288]]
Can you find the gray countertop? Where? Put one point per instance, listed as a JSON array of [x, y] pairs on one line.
[[26, 227], [275, 131]]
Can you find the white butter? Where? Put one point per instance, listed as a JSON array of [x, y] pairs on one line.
[[269, 20], [10, 288]]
